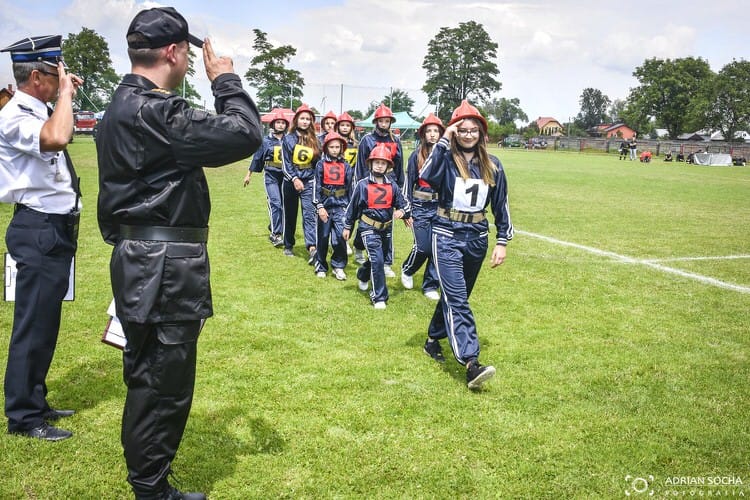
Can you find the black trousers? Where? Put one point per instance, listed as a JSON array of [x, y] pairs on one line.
[[159, 372], [43, 249]]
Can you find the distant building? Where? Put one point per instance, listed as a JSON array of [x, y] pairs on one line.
[[5, 95], [617, 130], [549, 126]]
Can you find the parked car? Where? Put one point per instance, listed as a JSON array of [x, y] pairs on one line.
[[84, 122], [513, 141], [537, 143]]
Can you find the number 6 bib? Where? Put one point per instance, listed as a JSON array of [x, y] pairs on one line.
[[469, 195]]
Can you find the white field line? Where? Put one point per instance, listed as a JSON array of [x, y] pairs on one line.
[[677, 259], [655, 265]]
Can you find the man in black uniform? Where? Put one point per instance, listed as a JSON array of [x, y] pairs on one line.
[[154, 208]]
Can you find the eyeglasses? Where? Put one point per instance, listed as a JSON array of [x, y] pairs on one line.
[[466, 133], [50, 73]]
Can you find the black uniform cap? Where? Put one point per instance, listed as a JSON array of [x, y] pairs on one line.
[[160, 26], [46, 49]]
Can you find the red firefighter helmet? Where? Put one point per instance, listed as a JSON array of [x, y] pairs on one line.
[[277, 114], [383, 111], [431, 120], [345, 117], [380, 152], [334, 136], [304, 108], [466, 110], [330, 114]]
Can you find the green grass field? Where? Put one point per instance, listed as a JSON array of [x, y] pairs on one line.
[[620, 365]]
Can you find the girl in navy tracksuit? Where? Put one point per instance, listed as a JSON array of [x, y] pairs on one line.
[[383, 119], [269, 157], [345, 127], [331, 188], [327, 124], [376, 202], [423, 201], [300, 152], [467, 180]]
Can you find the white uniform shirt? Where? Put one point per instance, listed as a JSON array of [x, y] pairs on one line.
[[39, 180]]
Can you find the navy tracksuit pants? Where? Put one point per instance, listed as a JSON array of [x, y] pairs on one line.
[[292, 199], [43, 250], [332, 229], [375, 242], [273, 179], [457, 262], [421, 250]]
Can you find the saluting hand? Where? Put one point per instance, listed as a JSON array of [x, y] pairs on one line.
[[215, 66], [69, 82]]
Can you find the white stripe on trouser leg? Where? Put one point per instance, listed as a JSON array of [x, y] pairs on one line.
[[449, 325]]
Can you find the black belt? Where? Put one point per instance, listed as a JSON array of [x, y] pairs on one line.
[[61, 217], [165, 233]]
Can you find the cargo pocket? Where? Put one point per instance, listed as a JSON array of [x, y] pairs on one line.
[[185, 281]]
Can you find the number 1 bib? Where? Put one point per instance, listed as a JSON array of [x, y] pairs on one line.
[[469, 195]]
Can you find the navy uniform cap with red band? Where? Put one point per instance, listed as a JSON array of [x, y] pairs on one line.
[[46, 49], [159, 27]]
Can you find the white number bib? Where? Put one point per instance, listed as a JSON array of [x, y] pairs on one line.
[[469, 195]]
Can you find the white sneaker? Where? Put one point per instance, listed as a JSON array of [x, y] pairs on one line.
[[379, 305], [363, 285], [359, 256], [320, 274], [349, 250], [407, 281], [432, 294], [389, 272], [339, 274]]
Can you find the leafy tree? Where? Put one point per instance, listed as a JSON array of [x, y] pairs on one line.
[[276, 84], [505, 111], [593, 108], [729, 99], [669, 91], [357, 115], [87, 55], [398, 100], [460, 65], [186, 89], [616, 109]]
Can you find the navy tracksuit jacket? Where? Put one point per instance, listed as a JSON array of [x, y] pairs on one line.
[[269, 157], [459, 248], [331, 190], [298, 163]]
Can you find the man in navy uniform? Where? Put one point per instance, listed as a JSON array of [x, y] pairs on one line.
[[37, 175], [154, 208]]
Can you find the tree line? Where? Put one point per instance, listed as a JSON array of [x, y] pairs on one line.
[[680, 95]]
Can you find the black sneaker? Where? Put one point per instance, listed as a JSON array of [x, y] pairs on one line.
[[477, 374], [174, 494], [433, 350]]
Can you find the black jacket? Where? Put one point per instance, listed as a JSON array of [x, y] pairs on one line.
[[152, 148]]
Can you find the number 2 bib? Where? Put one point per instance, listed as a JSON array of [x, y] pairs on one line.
[[469, 195], [379, 196]]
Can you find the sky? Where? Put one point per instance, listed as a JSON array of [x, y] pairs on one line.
[[352, 52]]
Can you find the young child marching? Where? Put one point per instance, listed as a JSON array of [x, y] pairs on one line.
[[331, 188], [376, 202], [268, 157], [381, 135], [345, 127], [423, 200], [300, 153]]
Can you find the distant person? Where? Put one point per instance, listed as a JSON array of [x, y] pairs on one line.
[[645, 157], [37, 175], [423, 200], [633, 147], [154, 207], [467, 180], [624, 148], [268, 158], [327, 124], [668, 156], [345, 127]]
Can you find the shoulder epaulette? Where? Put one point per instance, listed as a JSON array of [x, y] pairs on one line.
[[25, 108]]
